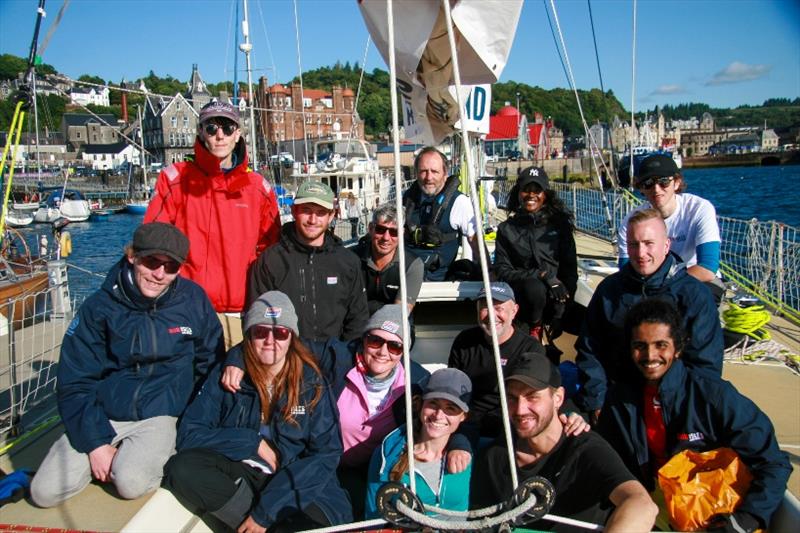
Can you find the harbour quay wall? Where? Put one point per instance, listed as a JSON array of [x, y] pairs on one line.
[[753, 159]]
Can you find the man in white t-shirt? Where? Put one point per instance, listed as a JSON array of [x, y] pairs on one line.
[[437, 215], [691, 221]]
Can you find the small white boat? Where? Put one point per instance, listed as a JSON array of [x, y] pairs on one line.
[[18, 219], [25, 206], [69, 204]]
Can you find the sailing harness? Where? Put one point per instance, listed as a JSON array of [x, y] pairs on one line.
[[437, 243]]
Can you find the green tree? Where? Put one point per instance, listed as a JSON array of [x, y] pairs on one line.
[[91, 79]]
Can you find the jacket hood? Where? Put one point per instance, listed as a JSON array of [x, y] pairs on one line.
[[209, 164], [120, 284], [290, 240], [670, 271]]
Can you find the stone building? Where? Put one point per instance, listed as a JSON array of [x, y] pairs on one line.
[[287, 115], [80, 129]]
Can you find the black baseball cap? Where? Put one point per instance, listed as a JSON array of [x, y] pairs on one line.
[[534, 370], [160, 238], [656, 166]]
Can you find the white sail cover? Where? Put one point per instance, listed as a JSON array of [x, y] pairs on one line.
[[484, 33]]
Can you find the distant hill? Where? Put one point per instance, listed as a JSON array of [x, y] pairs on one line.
[[374, 104]]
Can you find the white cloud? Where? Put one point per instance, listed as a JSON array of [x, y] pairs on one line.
[[738, 72], [668, 89]]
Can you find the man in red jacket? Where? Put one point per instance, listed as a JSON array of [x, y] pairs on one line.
[[229, 213]]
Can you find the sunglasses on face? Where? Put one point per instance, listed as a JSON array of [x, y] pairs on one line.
[[211, 129], [649, 183], [279, 333], [154, 263], [375, 342], [380, 229]]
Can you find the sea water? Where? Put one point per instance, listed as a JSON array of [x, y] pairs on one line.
[[765, 193]]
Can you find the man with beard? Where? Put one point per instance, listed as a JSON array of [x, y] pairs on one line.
[[472, 354], [590, 480], [310, 265]]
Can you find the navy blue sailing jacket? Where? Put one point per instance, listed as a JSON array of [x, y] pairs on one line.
[[125, 357], [308, 452], [602, 356], [700, 413]]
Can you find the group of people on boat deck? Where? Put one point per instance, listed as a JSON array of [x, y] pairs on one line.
[[255, 370]]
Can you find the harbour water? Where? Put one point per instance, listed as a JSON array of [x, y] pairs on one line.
[[765, 193]]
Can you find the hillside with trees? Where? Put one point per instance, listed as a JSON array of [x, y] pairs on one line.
[[374, 104]]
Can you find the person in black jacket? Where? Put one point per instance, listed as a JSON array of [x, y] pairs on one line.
[[264, 457], [670, 409], [380, 262], [130, 361], [535, 253], [309, 264]]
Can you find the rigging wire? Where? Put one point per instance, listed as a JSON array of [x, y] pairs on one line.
[[555, 41], [602, 87], [593, 145], [412, 482], [228, 40], [52, 30], [302, 91], [633, 96], [269, 44], [353, 133], [481, 248]]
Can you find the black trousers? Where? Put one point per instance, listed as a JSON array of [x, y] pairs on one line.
[[205, 481]]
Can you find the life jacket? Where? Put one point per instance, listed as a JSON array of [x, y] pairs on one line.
[[428, 228]]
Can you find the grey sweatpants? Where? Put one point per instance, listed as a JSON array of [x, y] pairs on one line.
[[143, 448]]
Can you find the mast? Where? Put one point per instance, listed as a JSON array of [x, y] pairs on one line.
[[246, 47], [144, 152], [236, 63]]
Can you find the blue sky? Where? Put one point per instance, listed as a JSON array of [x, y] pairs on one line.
[[721, 52]]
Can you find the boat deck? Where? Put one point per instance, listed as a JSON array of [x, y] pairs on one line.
[[775, 388]]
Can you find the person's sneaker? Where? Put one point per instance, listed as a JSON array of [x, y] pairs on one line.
[[536, 332]]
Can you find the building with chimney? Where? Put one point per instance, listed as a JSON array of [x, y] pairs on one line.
[[287, 116]]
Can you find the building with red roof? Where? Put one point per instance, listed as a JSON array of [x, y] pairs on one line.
[[287, 115], [510, 134]]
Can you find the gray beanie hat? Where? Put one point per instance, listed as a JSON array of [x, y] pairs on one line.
[[273, 308], [388, 318]]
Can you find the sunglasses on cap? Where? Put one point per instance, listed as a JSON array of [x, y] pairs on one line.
[[228, 128], [152, 262], [375, 342], [262, 331], [649, 183], [380, 229]]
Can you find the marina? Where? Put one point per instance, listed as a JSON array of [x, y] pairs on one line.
[[80, 226]]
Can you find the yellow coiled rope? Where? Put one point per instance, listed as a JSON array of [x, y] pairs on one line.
[[747, 321]]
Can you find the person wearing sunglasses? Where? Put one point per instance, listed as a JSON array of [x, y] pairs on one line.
[[535, 253], [445, 405], [691, 221], [229, 213], [380, 262], [264, 457], [130, 361]]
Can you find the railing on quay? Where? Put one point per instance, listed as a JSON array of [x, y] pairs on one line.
[[763, 258]]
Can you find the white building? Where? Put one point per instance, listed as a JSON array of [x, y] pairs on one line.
[[91, 95], [110, 156]]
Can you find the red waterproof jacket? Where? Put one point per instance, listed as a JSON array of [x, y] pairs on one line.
[[229, 217]]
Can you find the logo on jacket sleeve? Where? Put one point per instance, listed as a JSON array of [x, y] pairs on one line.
[[180, 330], [691, 437], [298, 410]]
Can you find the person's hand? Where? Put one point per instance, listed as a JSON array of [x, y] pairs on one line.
[[458, 461], [574, 424], [100, 460], [251, 526], [554, 329], [558, 292], [266, 452], [738, 522], [231, 378]]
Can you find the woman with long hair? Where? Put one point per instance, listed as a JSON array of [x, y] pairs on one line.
[[265, 456], [445, 404], [535, 253]]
